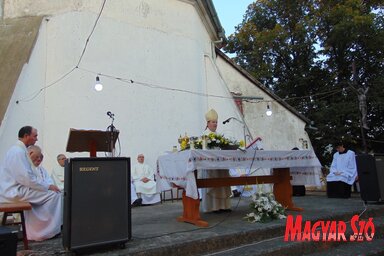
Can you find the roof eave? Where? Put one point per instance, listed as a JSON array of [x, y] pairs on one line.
[[262, 87]]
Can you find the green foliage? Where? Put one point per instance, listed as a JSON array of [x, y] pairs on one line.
[[305, 50]]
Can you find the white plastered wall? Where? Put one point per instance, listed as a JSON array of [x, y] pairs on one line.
[[282, 130], [156, 43]]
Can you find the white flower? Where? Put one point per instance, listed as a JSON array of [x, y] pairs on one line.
[[265, 208]]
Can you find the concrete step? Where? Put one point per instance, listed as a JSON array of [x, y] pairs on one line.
[[269, 240], [375, 247], [155, 230], [276, 246]]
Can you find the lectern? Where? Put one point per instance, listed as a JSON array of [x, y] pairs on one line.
[[97, 195], [91, 141]]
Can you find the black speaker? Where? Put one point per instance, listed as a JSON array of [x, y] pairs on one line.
[[8, 241], [298, 190], [97, 202], [370, 169]]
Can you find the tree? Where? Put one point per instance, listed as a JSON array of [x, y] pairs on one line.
[[304, 50]]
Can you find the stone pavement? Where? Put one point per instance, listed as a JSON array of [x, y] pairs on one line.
[[155, 231]]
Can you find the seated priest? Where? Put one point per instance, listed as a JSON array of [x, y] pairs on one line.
[[342, 174], [43, 223], [143, 179], [19, 182], [135, 201], [58, 171]]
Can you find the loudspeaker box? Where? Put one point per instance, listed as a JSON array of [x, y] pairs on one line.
[[8, 241], [370, 169], [97, 202]]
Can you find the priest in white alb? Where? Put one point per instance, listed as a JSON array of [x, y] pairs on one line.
[[19, 182], [58, 171], [143, 179]]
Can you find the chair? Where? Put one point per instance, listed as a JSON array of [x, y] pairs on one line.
[[162, 195], [16, 207], [177, 192]]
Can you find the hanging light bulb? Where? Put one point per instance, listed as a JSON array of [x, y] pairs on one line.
[[269, 111], [98, 85]]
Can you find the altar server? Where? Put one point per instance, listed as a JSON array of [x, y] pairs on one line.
[[343, 172]]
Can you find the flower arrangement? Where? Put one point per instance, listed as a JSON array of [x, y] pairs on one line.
[[265, 208], [211, 141]]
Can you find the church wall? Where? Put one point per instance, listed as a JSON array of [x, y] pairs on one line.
[[25, 106], [153, 43], [282, 130], [1, 8]]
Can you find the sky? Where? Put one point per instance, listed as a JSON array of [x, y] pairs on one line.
[[231, 13]]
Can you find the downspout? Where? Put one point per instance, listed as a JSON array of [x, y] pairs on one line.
[[220, 30]]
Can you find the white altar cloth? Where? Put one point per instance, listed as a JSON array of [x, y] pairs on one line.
[[178, 168]]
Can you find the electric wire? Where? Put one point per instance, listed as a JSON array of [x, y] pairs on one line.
[[154, 86], [34, 95], [90, 34]]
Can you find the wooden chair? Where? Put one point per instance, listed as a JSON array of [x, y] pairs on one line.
[[17, 207], [162, 195], [177, 193]]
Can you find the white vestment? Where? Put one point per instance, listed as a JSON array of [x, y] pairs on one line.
[[43, 176], [19, 182], [147, 190], [214, 199], [343, 168], [58, 176], [133, 192]]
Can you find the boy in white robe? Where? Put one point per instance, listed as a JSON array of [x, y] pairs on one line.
[[19, 182], [342, 174]]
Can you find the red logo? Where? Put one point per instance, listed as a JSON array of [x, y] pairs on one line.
[[330, 230]]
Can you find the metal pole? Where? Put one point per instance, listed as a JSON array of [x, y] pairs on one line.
[[363, 140]]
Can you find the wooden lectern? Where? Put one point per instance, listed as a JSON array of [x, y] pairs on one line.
[[91, 141]]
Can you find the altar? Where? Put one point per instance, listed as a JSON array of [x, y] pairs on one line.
[[179, 169]]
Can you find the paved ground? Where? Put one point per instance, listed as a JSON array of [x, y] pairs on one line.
[[155, 230]]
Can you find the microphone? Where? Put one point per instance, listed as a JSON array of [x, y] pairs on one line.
[[110, 114], [227, 120]]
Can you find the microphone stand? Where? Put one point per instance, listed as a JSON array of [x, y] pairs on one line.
[[112, 130]]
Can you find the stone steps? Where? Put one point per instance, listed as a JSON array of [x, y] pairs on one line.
[[275, 246], [155, 231]]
